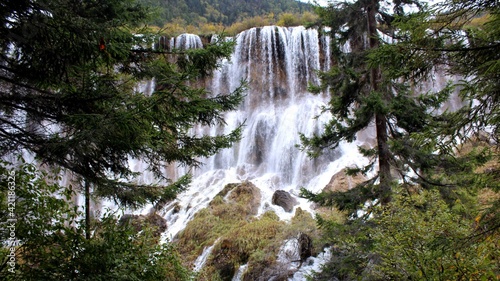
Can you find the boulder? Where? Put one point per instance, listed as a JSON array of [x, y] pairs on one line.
[[284, 199], [305, 246], [247, 194], [138, 222], [342, 182]]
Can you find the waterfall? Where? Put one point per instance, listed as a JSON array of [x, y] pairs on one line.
[[278, 63], [202, 259]]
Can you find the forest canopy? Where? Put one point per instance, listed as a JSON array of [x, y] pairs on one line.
[[225, 12]]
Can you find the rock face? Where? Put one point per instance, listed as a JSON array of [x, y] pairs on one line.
[[305, 246], [247, 193], [342, 182], [284, 199], [138, 222]]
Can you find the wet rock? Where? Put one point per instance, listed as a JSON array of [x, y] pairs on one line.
[[305, 246], [284, 199]]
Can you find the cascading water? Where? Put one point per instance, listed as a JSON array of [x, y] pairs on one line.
[[278, 64]]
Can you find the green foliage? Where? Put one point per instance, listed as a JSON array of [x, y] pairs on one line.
[[50, 243], [69, 94], [462, 38], [219, 11], [420, 237], [416, 237]]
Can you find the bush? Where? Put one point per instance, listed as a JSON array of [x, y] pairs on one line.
[[51, 243]]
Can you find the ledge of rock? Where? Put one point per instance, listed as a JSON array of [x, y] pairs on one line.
[[342, 182], [244, 193], [284, 200], [140, 221]]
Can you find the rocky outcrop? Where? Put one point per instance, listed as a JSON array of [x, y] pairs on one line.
[[342, 182], [306, 248], [138, 222], [284, 199], [248, 194]]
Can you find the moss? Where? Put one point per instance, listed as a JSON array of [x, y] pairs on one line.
[[240, 238], [218, 200], [218, 218], [254, 242], [226, 189]]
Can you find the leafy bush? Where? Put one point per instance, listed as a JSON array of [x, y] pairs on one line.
[[418, 236], [50, 241]]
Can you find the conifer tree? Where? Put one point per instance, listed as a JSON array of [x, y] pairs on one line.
[[69, 76], [397, 241], [462, 37], [363, 94]]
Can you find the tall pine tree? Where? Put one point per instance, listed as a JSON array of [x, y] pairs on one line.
[[410, 237], [363, 93], [462, 37], [69, 94]]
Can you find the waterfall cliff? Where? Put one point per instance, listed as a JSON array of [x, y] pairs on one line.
[[278, 63]]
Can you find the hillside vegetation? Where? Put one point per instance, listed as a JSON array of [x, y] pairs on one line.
[[225, 12]]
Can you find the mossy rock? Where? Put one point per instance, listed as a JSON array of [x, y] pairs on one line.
[[240, 238], [247, 194], [139, 222], [219, 218]]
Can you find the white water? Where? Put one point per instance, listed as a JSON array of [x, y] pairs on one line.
[[239, 273], [311, 265], [202, 259], [278, 63]]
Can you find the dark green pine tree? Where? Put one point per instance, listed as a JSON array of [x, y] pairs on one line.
[[463, 38], [363, 93], [458, 38], [69, 72]]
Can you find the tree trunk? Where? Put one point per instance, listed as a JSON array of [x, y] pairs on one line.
[[380, 119], [87, 210]]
